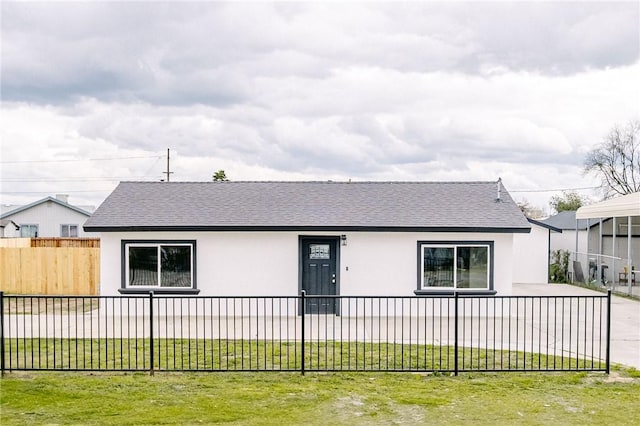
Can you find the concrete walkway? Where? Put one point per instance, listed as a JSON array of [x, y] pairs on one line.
[[625, 319]]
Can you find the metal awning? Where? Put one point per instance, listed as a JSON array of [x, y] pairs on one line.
[[623, 206]]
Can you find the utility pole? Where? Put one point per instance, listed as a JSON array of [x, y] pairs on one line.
[[168, 172]]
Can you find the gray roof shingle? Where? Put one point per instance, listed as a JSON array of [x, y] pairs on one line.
[[307, 205], [567, 220]]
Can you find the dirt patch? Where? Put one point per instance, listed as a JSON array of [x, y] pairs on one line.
[[355, 409], [613, 377], [408, 414], [351, 405]]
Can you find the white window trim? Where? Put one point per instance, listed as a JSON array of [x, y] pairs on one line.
[[158, 246], [69, 225], [29, 225], [455, 269]]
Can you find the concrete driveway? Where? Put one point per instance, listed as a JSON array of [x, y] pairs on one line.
[[625, 319]]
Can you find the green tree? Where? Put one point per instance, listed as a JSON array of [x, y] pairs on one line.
[[220, 176], [616, 161], [568, 201], [559, 268]]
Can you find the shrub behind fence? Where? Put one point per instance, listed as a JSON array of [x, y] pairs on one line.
[[430, 334]]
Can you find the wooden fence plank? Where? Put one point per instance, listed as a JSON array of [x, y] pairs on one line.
[[50, 270], [15, 242]]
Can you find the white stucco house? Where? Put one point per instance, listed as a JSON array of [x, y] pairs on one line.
[[279, 238], [48, 217], [532, 252]]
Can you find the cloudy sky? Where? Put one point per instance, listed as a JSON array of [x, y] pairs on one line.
[[94, 93]]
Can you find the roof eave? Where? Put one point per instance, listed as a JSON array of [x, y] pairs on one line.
[[545, 225], [236, 228]]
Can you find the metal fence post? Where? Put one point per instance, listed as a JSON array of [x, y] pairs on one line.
[[151, 360], [455, 338], [608, 360], [2, 365], [303, 303]]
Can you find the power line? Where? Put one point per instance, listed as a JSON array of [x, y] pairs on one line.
[[49, 192], [554, 190], [77, 179], [78, 160]]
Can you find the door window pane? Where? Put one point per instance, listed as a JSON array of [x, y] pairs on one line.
[[319, 251]]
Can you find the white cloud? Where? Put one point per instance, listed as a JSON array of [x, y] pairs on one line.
[[417, 91]]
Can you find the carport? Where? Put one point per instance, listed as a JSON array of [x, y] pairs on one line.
[[615, 255]]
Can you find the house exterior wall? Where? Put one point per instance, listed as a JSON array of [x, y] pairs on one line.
[[9, 231], [267, 263], [567, 240], [531, 256], [49, 216]]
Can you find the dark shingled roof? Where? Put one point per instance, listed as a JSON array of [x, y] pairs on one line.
[[567, 220], [392, 206]]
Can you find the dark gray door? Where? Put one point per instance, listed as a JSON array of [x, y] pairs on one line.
[[319, 274]]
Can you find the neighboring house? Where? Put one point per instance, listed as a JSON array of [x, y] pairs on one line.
[[531, 253], [278, 238], [9, 228], [566, 240], [48, 217], [597, 250]]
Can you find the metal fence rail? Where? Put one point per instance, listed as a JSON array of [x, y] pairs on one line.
[[454, 334]]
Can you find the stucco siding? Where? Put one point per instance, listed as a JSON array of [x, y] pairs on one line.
[[567, 241], [531, 256], [267, 263]]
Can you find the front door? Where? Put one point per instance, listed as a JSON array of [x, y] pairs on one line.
[[319, 273]]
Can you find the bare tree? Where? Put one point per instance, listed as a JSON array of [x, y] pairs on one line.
[[530, 211], [617, 160]]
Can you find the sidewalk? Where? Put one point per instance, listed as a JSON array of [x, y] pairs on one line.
[[625, 319]]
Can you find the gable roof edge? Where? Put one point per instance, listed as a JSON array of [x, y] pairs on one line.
[[42, 201]]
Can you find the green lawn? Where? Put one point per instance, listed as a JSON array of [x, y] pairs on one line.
[[334, 398], [226, 355]]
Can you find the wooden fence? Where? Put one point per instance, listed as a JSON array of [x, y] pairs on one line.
[[50, 266]]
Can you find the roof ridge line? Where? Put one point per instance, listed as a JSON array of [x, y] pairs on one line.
[[430, 182]]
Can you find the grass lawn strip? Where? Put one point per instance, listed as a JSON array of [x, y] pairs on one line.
[[344, 398]]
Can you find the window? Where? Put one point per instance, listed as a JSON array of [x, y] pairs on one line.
[[28, 230], [69, 231], [167, 265], [456, 266]]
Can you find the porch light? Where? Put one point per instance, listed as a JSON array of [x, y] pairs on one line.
[[343, 238]]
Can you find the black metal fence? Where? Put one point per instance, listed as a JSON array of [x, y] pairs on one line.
[[448, 334]]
